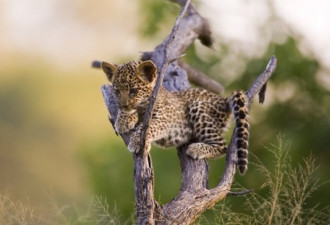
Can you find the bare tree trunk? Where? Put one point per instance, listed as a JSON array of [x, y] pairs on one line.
[[194, 197]]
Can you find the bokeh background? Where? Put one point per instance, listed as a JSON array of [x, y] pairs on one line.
[[56, 144]]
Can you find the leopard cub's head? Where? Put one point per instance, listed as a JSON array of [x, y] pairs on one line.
[[133, 82]]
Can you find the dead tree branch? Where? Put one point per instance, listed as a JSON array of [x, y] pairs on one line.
[[259, 84], [239, 193], [194, 197], [201, 79]]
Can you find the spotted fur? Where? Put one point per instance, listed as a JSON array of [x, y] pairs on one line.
[[193, 116]]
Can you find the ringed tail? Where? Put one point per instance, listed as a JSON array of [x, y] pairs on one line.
[[240, 111]]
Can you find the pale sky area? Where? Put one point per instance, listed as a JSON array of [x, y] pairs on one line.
[[74, 32]]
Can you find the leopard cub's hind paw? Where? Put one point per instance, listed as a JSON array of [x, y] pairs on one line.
[[194, 151]]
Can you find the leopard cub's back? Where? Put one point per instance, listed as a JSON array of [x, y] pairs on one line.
[[207, 110]]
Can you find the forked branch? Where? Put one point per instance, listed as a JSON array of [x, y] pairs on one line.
[[199, 198]]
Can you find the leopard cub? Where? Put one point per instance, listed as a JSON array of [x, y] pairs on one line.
[[194, 116]]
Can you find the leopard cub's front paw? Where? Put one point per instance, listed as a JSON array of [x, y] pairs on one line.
[[123, 127], [134, 144], [125, 122]]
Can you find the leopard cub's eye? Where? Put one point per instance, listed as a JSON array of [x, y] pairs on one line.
[[133, 91]]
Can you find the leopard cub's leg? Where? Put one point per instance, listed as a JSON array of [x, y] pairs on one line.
[[238, 103], [202, 150], [155, 131], [208, 120], [135, 141], [126, 121]]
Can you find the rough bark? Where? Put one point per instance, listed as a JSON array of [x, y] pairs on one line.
[[194, 197]]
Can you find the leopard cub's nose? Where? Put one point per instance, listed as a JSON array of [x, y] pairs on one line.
[[125, 107]]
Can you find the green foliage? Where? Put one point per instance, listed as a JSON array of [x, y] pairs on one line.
[[287, 189], [154, 13]]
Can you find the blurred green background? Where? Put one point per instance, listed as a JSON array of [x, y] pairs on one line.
[[56, 143]]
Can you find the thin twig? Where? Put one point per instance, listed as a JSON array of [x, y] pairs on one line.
[[239, 193], [261, 80], [161, 73]]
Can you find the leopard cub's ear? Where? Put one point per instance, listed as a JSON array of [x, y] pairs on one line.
[[110, 70], [147, 71]]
